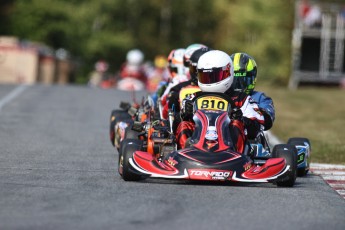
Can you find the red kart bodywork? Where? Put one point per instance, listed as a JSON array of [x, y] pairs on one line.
[[211, 156]]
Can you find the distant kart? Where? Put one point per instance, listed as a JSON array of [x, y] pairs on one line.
[[209, 157], [130, 84]]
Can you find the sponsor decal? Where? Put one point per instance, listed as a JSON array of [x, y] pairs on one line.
[[205, 174], [171, 161], [247, 166], [211, 133], [207, 70], [240, 74], [300, 158]]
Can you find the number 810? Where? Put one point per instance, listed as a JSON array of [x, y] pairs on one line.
[[212, 104]]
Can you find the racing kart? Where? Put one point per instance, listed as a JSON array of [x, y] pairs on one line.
[[261, 148], [117, 116], [129, 84], [121, 120], [303, 147], [210, 155]]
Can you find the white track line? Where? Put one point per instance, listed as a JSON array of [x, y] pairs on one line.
[[333, 177], [323, 172], [341, 192], [13, 94], [338, 186], [326, 166]]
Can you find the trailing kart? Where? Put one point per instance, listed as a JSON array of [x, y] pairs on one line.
[[261, 149], [125, 115], [211, 154], [303, 147], [121, 120]]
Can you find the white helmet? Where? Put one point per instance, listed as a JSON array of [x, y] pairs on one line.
[[215, 71], [189, 51], [135, 57], [175, 62]]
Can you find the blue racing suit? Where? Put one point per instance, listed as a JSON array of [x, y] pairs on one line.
[[266, 106]]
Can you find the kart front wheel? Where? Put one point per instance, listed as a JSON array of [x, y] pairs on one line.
[[129, 147], [289, 153]]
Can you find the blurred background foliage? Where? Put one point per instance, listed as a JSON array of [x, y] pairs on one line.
[[107, 29]]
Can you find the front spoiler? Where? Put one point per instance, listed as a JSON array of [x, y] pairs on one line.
[[178, 166]]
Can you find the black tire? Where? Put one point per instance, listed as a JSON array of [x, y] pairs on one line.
[[120, 159], [116, 116], [301, 141], [130, 146], [289, 153], [131, 134]]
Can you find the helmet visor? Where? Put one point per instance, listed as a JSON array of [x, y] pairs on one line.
[[209, 76], [243, 83]]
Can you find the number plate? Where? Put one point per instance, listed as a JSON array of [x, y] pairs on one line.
[[212, 103], [189, 92]]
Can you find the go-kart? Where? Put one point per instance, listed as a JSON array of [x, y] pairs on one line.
[[261, 148], [130, 84], [121, 120], [118, 120], [211, 155], [303, 147]]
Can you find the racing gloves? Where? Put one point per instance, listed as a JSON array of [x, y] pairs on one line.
[[187, 111], [236, 114]]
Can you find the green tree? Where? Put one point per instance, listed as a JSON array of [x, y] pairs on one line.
[[109, 28], [262, 29], [6, 8]]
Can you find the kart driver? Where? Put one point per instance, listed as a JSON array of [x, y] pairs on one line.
[[245, 71], [216, 74], [133, 67], [174, 94], [177, 75]]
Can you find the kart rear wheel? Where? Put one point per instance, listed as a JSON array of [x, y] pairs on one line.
[[116, 116], [301, 141], [289, 153], [130, 146], [130, 134]]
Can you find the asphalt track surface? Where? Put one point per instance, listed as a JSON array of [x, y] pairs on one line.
[[58, 171]]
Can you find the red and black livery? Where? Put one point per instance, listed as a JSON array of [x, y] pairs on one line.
[[210, 154]]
